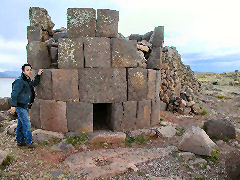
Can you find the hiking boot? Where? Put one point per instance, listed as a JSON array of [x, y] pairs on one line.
[[31, 145], [21, 144]]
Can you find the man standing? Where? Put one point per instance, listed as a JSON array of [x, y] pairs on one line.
[[22, 97]]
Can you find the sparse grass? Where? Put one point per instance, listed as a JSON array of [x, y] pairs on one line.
[[204, 111], [221, 96], [142, 139], [77, 140], [9, 159], [180, 131], [200, 178], [214, 156]]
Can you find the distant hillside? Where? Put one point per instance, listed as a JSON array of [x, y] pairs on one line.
[[10, 74]]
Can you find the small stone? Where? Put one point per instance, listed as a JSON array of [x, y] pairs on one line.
[[40, 135], [12, 129], [107, 137], [3, 156], [187, 155]]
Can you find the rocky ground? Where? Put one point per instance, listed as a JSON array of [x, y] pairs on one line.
[[152, 156]]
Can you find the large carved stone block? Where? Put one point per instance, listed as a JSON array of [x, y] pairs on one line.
[[97, 52], [130, 115], [65, 84], [38, 56], [81, 22], [151, 84], [35, 114], [107, 23], [158, 82], [155, 112], [53, 115], [102, 85], [155, 60], [137, 84], [80, 116], [34, 33], [157, 37], [124, 53], [143, 114], [117, 116], [70, 53]]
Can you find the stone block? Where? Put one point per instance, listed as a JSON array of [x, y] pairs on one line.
[[143, 114], [107, 23], [106, 137], [80, 116], [70, 53], [155, 112], [34, 33], [81, 22], [5, 104], [40, 135], [124, 53], [137, 84], [58, 35], [163, 106], [151, 84], [54, 54], [53, 116], [35, 114], [65, 84], [44, 88], [102, 85], [154, 60], [158, 83], [130, 115], [116, 116], [157, 38], [97, 52], [38, 56]]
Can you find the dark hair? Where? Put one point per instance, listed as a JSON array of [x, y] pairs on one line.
[[23, 67]]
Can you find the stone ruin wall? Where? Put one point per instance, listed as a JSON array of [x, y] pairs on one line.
[[90, 65]]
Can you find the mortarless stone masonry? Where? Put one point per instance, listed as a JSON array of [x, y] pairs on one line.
[[90, 68]]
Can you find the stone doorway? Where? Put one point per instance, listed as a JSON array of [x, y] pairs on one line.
[[102, 116]]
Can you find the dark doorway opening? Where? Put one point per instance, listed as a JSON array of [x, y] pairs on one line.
[[102, 116]]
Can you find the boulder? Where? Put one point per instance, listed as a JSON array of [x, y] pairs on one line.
[[40, 135], [233, 164], [12, 129], [196, 140], [5, 104], [220, 129], [142, 132], [166, 131], [186, 155], [58, 35], [106, 137], [63, 146]]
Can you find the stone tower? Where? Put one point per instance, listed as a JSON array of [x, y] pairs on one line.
[[92, 78]]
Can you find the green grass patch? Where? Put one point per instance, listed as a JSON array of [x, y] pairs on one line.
[[142, 139], [9, 159], [221, 96], [180, 131], [214, 156], [204, 111], [77, 140]]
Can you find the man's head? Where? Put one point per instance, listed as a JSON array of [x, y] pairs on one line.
[[27, 70]]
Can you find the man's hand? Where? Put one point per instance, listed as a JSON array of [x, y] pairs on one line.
[[40, 71], [12, 110]]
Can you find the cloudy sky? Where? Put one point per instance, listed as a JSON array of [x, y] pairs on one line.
[[205, 32]]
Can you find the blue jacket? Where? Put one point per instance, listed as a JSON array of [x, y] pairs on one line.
[[23, 91]]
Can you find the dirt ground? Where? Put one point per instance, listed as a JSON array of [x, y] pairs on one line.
[[219, 101]]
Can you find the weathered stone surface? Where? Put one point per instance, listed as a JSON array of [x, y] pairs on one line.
[[155, 112], [154, 61], [196, 140], [53, 115], [40, 135], [135, 37], [12, 129], [35, 114], [142, 132], [186, 155], [39, 17], [117, 116], [65, 84], [141, 61], [97, 52], [108, 137], [166, 131], [220, 129], [130, 115], [38, 56], [102, 85], [147, 36], [104, 163], [54, 54], [70, 53], [124, 53], [107, 23], [5, 104], [137, 84], [3, 156], [151, 84], [143, 114], [157, 38], [233, 164], [34, 33], [158, 83], [44, 88], [81, 22], [63, 146], [80, 116], [58, 35]]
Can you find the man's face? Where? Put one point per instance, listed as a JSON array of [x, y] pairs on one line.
[[27, 71]]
